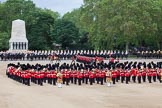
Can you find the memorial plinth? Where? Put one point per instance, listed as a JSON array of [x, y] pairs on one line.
[[18, 40]]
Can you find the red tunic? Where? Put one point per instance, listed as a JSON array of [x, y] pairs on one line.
[[75, 74], [91, 75], [154, 73], [67, 75], [134, 72], [80, 75], [139, 74], [149, 73], [143, 73], [114, 75], [53, 75], [127, 74], [122, 74], [86, 75]]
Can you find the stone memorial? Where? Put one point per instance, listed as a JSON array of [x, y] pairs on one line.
[[18, 40]]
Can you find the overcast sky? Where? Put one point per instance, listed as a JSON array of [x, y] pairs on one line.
[[61, 6]]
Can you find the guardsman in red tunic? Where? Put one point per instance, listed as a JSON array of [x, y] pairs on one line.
[[63, 76], [134, 74], [91, 77], [35, 78], [71, 76], [114, 75], [102, 76], [154, 74], [144, 75], [32, 72], [48, 77], [139, 74], [83, 78], [45, 75], [18, 74], [25, 75], [67, 76], [86, 75], [75, 76], [122, 74], [27, 78], [118, 75], [40, 77], [127, 75], [10, 71], [80, 76], [53, 76], [149, 74], [98, 76], [94, 74]]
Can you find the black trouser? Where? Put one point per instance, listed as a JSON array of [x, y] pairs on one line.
[[34, 80], [144, 78], [117, 78], [139, 79], [50, 80], [75, 80], [54, 81], [67, 81], [149, 78], [127, 80], [71, 79], [63, 80], [122, 79], [113, 79], [105, 79], [101, 79], [44, 80], [83, 80], [154, 78], [134, 78], [158, 77], [40, 81], [26, 81], [97, 79], [79, 81], [91, 81], [86, 80]]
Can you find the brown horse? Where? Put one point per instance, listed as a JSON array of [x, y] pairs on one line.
[[54, 58]]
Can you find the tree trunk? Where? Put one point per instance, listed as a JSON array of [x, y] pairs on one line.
[[127, 46]]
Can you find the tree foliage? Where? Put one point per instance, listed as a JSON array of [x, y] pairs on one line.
[[97, 24], [132, 22], [65, 33]]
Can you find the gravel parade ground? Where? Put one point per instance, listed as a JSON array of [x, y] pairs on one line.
[[132, 95]]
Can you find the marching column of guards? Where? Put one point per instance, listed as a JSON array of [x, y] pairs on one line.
[[96, 73]]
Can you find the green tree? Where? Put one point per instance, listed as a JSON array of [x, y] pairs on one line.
[[4, 37], [40, 32], [65, 33], [131, 21]]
